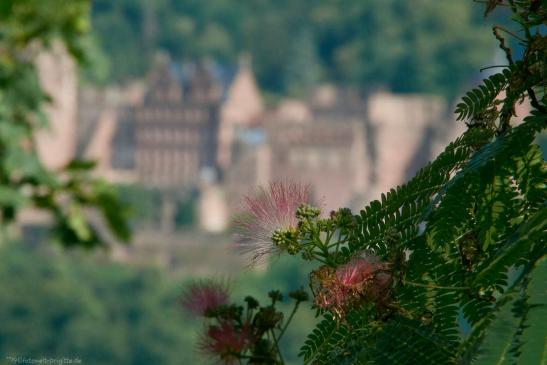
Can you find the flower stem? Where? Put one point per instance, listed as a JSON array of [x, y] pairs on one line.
[[276, 342], [289, 319]]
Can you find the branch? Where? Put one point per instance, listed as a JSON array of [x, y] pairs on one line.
[[503, 45]]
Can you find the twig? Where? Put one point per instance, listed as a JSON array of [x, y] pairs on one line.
[[489, 67], [289, 319], [276, 342]]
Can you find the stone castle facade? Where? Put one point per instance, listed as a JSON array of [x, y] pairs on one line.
[[176, 128], [199, 127]]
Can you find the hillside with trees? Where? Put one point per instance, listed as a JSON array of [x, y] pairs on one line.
[[426, 46]]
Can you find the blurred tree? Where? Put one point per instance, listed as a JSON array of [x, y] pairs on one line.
[[303, 70], [99, 312], [185, 213], [145, 203], [28, 28], [98, 68], [402, 46], [71, 305]]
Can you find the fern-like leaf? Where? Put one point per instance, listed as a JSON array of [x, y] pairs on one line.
[[476, 101], [318, 338]]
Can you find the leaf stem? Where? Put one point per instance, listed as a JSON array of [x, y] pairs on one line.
[[433, 286], [493, 66]]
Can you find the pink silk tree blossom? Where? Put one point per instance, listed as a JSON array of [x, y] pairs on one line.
[[265, 211], [363, 279], [225, 342], [201, 297]]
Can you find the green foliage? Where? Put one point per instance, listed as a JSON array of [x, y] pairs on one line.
[[423, 323], [457, 270], [145, 206], [55, 304], [458, 243], [303, 70], [319, 338], [480, 105], [516, 335], [476, 101], [185, 214], [79, 305], [462, 244], [448, 268], [364, 44], [28, 28], [532, 346]]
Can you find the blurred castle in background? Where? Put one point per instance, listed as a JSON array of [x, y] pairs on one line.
[[202, 128], [56, 144]]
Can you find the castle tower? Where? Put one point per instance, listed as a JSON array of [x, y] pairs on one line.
[[56, 144], [242, 107]]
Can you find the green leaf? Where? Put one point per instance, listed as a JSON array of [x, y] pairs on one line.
[[534, 336], [12, 197], [80, 165], [78, 223], [496, 346]]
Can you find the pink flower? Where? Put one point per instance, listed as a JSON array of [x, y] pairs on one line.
[[225, 341], [265, 211], [358, 271], [334, 296], [201, 297], [363, 279]]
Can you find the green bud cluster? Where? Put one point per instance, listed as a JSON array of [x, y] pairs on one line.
[[224, 311], [343, 218], [287, 240], [252, 303], [267, 318], [299, 295], [275, 295], [326, 225], [307, 211]]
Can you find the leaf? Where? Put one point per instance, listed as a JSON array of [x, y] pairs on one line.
[[477, 100], [77, 223], [534, 336], [114, 211], [529, 234], [318, 338], [80, 165], [12, 197]]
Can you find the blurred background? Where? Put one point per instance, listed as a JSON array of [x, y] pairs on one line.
[[185, 105]]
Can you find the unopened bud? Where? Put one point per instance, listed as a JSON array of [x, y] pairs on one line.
[[299, 295], [307, 211]]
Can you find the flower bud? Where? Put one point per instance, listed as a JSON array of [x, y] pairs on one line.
[[305, 211], [252, 303], [299, 295]]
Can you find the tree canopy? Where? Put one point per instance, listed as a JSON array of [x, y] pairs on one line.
[[431, 46], [29, 27]]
